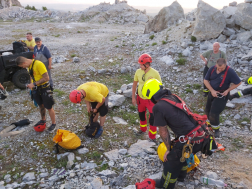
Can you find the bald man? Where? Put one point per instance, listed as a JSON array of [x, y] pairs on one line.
[[210, 58]]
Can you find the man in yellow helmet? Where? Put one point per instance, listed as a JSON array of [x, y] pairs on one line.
[[183, 126]]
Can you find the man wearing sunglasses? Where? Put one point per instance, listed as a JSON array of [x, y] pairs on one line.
[[218, 80], [143, 74], [95, 96]]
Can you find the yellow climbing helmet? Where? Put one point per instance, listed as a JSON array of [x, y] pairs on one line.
[[161, 151], [150, 87], [248, 81]]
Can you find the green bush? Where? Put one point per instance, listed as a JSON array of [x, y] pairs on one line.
[[164, 42], [153, 44], [152, 36], [44, 8], [181, 61], [189, 90], [193, 38]]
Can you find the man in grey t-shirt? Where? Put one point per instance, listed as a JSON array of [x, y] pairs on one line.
[[210, 58]]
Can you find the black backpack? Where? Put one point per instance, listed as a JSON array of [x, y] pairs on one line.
[[93, 127], [19, 47]]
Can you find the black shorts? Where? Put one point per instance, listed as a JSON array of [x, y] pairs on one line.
[[103, 110], [43, 96]]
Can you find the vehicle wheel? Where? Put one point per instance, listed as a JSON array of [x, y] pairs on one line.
[[21, 78]]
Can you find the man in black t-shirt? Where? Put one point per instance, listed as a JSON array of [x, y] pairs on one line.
[[183, 126], [218, 80]]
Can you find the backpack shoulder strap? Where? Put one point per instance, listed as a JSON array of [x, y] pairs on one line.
[[31, 71], [224, 77], [213, 70]]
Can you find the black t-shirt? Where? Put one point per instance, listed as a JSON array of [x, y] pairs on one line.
[[216, 79], [167, 114]]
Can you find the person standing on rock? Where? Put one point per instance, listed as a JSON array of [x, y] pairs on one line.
[[41, 91], [188, 132], [246, 91], [210, 57], [143, 74], [42, 53], [218, 80], [30, 42], [95, 96]]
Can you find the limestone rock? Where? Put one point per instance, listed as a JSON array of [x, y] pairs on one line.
[[228, 32], [229, 11], [168, 60], [29, 177], [167, 16], [233, 4], [243, 15], [230, 23], [116, 100], [244, 36], [210, 22], [119, 120], [222, 38]]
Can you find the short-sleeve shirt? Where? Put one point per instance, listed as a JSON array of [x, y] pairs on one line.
[[94, 91], [212, 57], [30, 43], [151, 74], [166, 114], [38, 70], [216, 79], [43, 50]]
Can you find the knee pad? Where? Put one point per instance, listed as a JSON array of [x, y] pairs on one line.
[[151, 119], [142, 116], [214, 119]]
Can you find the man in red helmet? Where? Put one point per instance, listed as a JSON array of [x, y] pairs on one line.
[[96, 97], [143, 74]]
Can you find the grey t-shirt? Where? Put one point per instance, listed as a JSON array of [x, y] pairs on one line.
[[212, 57]]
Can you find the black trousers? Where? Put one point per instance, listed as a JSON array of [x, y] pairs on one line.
[[204, 74], [214, 107], [2, 74], [173, 168]]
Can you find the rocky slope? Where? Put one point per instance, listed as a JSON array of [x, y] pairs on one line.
[[120, 13], [108, 53]]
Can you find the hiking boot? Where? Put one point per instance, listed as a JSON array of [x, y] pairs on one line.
[[153, 140], [217, 133], [99, 132], [139, 132], [41, 122], [51, 128], [231, 97], [158, 183]]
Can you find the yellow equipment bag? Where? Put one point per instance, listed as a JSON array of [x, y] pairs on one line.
[[161, 152], [67, 139]]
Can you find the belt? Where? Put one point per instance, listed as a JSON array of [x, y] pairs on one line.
[[195, 136], [44, 85]]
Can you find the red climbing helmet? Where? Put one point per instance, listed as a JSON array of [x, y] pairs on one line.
[[144, 58], [40, 127], [75, 96]]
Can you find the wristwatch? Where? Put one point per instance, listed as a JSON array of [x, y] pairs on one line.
[[34, 84]]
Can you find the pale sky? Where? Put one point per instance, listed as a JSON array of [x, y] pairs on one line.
[[150, 3]]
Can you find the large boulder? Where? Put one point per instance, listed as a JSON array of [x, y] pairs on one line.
[[167, 16], [210, 22], [229, 11], [9, 3], [243, 16], [244, 36]]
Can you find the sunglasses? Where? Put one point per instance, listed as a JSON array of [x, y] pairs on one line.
[[143, 77]]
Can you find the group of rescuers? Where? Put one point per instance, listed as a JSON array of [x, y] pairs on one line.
[[147, 93]]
